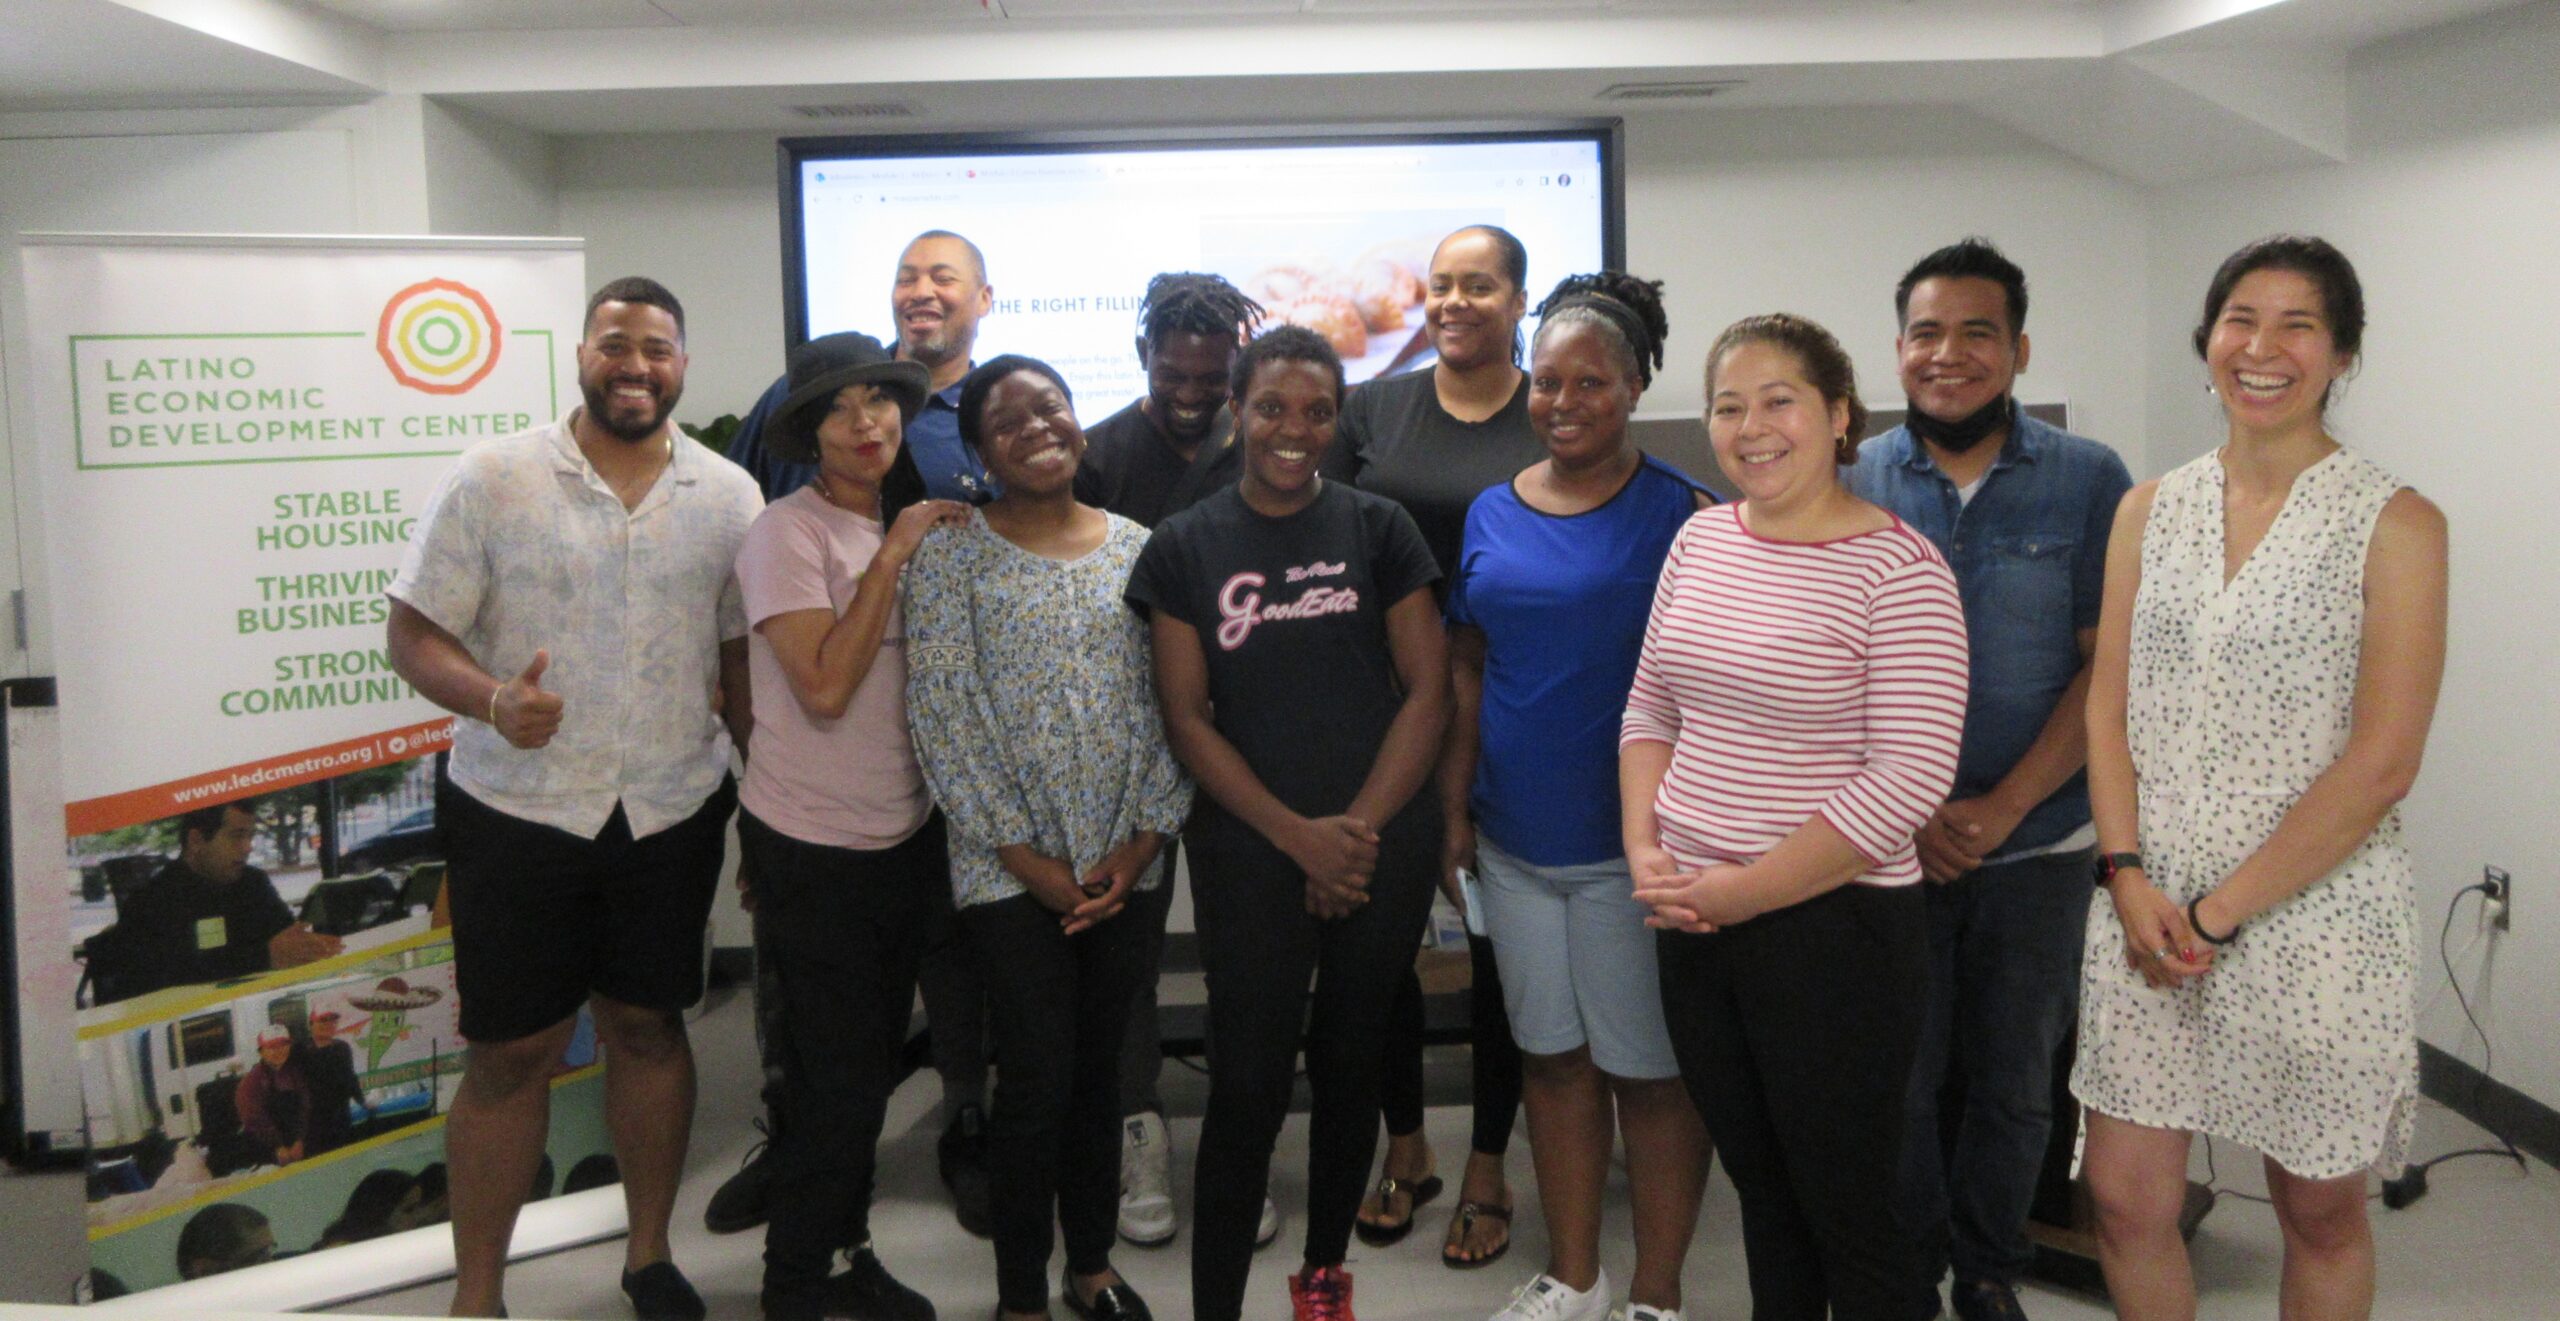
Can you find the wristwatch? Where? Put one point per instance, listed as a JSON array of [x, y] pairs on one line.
[[2105, 866]]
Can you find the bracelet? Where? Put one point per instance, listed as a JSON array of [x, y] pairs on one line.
[[2195, 923], [493, 704]]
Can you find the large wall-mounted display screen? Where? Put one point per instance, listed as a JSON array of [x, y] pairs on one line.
[[1331, 230]]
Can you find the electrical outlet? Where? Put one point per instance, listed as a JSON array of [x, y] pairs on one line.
[[2500, 897]]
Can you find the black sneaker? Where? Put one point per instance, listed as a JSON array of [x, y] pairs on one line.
[[739, 1204], [659, 1292], [865, 1291], [1986, 1300], [963, 1158]]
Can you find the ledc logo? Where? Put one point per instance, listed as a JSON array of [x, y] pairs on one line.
[[439, 336]]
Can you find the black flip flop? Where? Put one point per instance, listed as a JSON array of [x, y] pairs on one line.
[[1464, 1221], [1379, 1236]]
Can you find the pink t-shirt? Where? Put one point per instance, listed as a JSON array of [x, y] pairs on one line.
[[851, 782]]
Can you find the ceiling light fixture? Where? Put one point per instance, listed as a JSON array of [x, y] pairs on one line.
[[1682, 91], [857, 110]]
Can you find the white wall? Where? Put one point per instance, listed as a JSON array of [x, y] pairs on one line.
[[701, 214], [1819, 212], [486, 176], [2448, 210]]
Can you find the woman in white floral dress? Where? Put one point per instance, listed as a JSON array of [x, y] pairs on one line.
[[2267, 666]]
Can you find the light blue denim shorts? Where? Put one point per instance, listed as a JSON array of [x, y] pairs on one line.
[[1577, 961]]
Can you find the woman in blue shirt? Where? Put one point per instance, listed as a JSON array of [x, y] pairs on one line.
[[1547, 612]]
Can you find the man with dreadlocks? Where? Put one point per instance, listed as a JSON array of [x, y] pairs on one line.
[[1160, 455], [1146, 463]]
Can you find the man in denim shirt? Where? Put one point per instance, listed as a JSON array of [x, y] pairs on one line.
[[2021, 510]]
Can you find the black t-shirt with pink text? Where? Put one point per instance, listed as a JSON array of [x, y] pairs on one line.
[[1292, 617]]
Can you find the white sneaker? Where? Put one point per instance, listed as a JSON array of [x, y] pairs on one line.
[[1268, 1228], [1644, 1312], [1547, 1299], [1146, 1196]]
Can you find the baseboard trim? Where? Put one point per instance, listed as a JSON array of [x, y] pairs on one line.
[[2533, 1127]]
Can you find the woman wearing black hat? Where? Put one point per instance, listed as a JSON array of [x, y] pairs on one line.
[[844, 844], [1031, 687]]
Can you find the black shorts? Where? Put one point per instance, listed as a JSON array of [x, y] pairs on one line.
[[542, 918]]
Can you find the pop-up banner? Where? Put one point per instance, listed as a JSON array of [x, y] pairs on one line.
[[234, 438]]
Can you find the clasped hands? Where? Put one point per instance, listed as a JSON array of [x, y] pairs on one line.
[[1083, 902], [2158, 942], [1696, 902], [1339, 854]]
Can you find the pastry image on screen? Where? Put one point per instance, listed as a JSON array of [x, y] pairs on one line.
[[1357, 280]]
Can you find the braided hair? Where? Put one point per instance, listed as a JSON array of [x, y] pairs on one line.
[[1180, 301], [1627, 311]]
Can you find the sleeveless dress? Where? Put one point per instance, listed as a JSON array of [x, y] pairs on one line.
[[2301, 1042]]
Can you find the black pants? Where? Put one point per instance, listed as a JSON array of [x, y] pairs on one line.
[[1259, 947], [1494, 1058], [1795, 1033], [841, 928], [955, 1009], [1142, 1049], [1059, 1009]]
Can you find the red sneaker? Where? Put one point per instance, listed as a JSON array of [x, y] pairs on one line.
[[1321, 1294]]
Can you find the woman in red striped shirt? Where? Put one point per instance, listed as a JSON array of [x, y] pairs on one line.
[[1795, 719]]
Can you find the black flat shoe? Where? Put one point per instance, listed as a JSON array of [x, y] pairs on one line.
[[1111, 1302], [659, 1292]]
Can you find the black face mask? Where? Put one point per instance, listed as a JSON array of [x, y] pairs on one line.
[[1965, 432]]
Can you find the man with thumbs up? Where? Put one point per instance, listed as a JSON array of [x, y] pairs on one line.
[[569, 596]]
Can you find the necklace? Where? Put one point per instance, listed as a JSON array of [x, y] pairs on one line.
[[828, 494]]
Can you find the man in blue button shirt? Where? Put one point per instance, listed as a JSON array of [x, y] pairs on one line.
[[940, 294], [2021, 510], [937, 299]]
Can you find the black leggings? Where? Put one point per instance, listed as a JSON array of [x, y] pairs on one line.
[[1494, 1058], [1259, 947], [1059, 1009], [839, 930], [1796, 1033]]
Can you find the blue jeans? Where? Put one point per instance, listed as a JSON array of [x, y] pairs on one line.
[[2004, 983]]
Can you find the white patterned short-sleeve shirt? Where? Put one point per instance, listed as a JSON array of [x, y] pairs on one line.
[[524, 548]]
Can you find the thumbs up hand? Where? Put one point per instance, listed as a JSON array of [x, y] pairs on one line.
[[525, 715]]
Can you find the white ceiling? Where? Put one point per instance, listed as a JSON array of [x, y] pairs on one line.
[[89, 54], [2131, 85], [497, 15]]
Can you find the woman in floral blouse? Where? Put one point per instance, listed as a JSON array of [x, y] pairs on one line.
[[1029, 688]]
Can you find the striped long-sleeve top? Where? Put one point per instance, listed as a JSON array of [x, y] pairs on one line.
[[1793, 680]]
